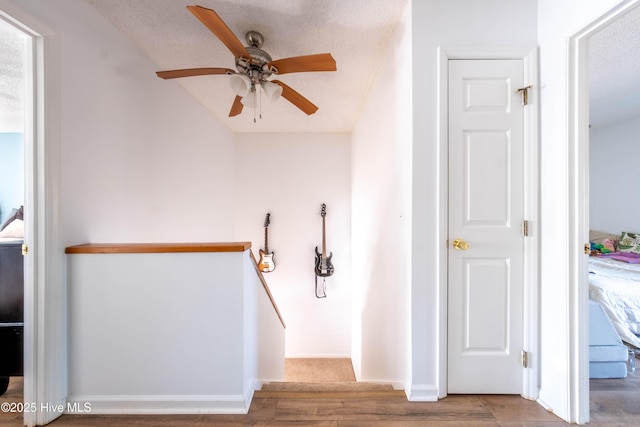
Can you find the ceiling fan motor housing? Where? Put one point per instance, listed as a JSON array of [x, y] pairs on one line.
[[256, 69]]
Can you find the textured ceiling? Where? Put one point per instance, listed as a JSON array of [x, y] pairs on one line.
[[12, 56], [614, 71], [356, 33]]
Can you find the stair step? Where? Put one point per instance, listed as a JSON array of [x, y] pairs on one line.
[[327, 390]]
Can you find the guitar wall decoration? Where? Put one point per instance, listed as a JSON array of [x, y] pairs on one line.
[[323, 267], [266, 263]]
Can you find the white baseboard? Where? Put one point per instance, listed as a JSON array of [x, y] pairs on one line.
[[183, 404], [543, 399], [422, 393], [318, 356]]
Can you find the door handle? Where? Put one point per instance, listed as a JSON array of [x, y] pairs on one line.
[[460, 245]]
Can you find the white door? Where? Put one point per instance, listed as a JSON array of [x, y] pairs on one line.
[[486, 208]]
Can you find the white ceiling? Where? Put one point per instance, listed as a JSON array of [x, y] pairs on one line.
[[12, 56], [614, 71], [356, 34]]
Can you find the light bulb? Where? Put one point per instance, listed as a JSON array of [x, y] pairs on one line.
[[272, 90], [250, 99], [240, 84]]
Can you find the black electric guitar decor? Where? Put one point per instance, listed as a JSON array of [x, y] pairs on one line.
[[323, 268], [266, 264]]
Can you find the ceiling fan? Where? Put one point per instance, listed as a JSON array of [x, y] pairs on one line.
[[254, 66]]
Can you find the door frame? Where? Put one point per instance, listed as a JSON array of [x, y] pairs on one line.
[[531, 290], [578, 173], [45, 335]]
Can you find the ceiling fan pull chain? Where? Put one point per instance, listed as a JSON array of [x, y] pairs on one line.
[[254, 103], [260, 101]]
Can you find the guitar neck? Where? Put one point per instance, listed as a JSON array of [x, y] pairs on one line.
[[324, 241], [266, 240]]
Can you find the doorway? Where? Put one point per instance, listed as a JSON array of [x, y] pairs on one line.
[[14, 50], [578, 125], [486, 207], [528, 387], [614, 122], [44, 291]]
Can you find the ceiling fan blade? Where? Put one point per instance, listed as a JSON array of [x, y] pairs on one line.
[[236, 108], [297, 64], [189, 72], [217, 26], [296, 99]]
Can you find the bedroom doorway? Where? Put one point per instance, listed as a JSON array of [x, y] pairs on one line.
[[44, 291], [579, 151], [614, 121], [14, 51]]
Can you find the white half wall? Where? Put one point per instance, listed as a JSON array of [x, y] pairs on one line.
[[290, 176], [381, 219], [147, 328], [614, 183]]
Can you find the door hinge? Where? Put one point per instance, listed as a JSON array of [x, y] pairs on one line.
[[525, 228], [525, 359], [524, 91], [25, 249]]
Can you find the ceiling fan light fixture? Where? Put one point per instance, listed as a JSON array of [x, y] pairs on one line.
[[254, 66], [240, 84], [249, 100], [272, 90]]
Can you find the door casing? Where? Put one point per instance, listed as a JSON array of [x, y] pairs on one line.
[[531, 303], [45, 337], [578, 173]]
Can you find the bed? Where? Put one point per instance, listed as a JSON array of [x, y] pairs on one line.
[[11, 298], [614, 283]]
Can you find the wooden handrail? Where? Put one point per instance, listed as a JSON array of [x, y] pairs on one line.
[[266, 288], [147, 248]]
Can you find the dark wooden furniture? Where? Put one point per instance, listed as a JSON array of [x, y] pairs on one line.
[[11, 311]]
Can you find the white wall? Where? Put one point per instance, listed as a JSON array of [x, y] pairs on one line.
[[169, 332], [140, 159], [290, 176], [614, 182], [381, 218], [557, 21], [448, 24]]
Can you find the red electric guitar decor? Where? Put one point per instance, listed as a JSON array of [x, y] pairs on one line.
[[266, 263]]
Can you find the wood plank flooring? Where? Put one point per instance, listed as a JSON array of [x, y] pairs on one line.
[[613, 403]]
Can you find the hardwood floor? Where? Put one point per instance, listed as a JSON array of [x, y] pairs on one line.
[[613, 403], [616, 401]]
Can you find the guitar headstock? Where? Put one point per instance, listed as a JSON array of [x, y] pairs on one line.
[[323, 211], [267, 221]]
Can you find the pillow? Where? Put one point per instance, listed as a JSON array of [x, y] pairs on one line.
[[15, 214], [598, 238], [14, 229], [629, 242]]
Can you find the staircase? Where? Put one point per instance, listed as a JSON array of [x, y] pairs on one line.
[[318, 378], [331, 390]]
